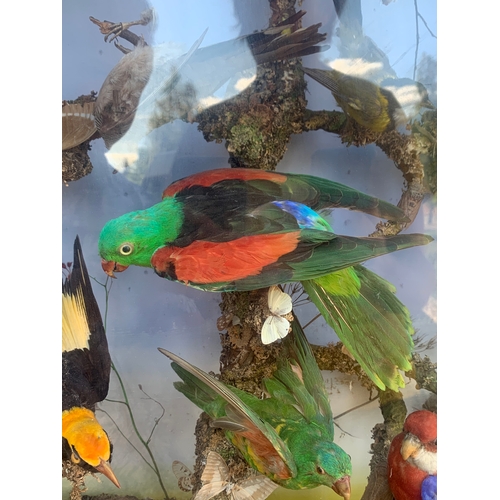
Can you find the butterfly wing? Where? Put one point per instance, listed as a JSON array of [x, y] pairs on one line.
[[215, 476], [278, 302], [209, 490], [274, 328], [253, 488], [183, 474]]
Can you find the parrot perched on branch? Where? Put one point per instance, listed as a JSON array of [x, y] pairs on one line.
[[288, 437], [86, 365], [412, 459], [244, 229]]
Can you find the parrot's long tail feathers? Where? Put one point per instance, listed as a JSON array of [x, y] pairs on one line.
[[345, 251], [205, 391], [373, 325], [313, 380], [302, 380], [332, 195], [232, 414]]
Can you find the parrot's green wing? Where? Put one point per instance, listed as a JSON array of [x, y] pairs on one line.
[[373, 324], [247, 189], [298, 381], [263, 446]]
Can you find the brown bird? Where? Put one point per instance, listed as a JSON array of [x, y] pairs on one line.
[[148, 88], [78, 124]]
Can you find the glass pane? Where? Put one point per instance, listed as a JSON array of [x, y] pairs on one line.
[[189, 97]]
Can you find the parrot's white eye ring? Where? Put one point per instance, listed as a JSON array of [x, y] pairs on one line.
[[126, 249]]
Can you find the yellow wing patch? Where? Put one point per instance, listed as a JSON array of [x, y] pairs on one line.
[[75, 327]]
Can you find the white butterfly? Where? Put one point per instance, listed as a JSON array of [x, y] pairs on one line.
[[275, 327], [185, 477], [216, 478]]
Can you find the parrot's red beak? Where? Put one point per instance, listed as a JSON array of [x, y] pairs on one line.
[[110, 267], [343, 487]]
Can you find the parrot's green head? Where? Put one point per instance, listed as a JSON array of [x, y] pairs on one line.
[[132, 239], [328, 465]]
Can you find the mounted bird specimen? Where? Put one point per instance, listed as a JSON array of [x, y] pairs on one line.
[[148, 88], [244, 229], [288, 436], [412, 459], [86, 365], [377, 105]]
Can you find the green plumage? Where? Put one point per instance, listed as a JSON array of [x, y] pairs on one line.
[[375, 310], [240, 229], [288, 436]]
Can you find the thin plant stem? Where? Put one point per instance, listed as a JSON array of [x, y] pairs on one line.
[[154, 465]]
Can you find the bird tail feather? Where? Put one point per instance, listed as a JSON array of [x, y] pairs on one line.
[[374, 325]]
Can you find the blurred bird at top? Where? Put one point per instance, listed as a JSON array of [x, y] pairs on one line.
[[148, 88], [354, 44], [362, 80], [86, 365]]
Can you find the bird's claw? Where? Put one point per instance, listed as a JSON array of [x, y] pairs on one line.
[[122, 48], [114, 30]]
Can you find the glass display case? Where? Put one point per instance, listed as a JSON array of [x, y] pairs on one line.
[[193, 87]]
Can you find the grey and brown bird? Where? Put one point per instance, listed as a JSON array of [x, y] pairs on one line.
[[148, 88]]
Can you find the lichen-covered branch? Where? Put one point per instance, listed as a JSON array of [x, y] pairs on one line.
[[329, 121], [424, 373]]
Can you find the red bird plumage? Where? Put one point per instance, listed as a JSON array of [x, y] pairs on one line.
[[413, 455]]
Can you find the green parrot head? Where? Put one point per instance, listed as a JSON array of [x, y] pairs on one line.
[[133, 238], [329, 465]]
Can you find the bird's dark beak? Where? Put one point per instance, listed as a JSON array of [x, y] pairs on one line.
[[343, 487], [105, 469], [110, 267], [428, 104], [409, 446]]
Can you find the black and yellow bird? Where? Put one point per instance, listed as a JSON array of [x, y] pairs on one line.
[[86, 365]]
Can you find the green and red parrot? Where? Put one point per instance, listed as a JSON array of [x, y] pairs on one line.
[[412, 459], [288, 436], [86, 365], [245, 229]]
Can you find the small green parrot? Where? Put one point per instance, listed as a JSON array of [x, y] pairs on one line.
[[288, 437], [245, 229]]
